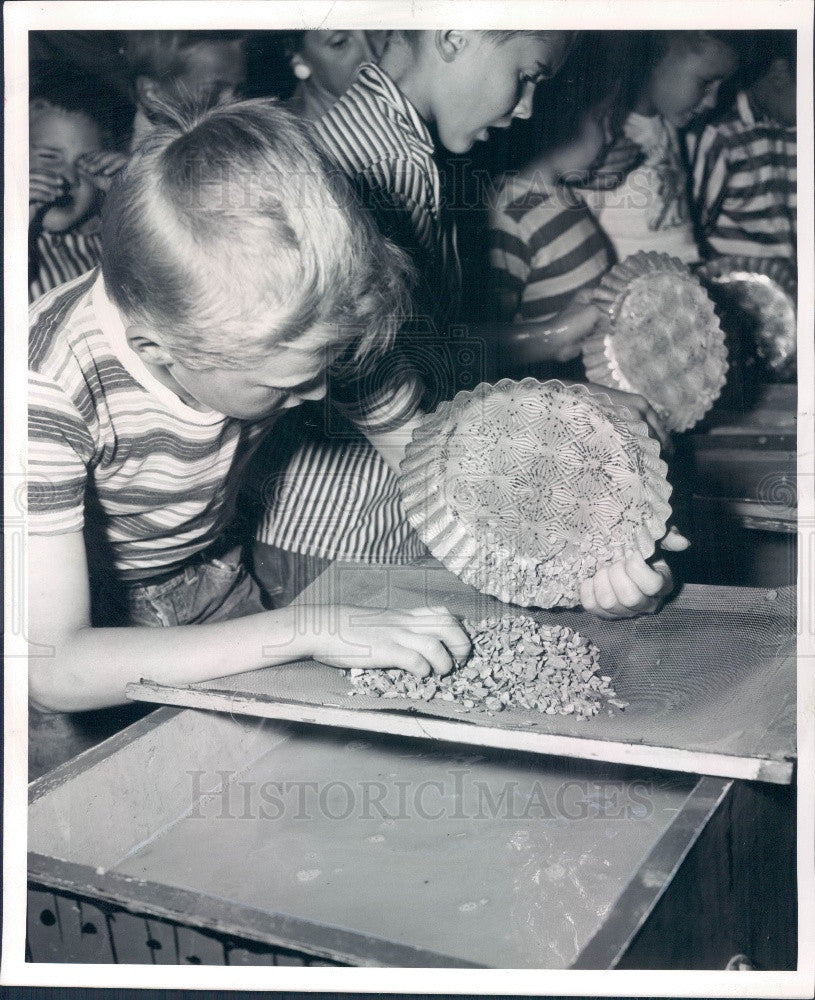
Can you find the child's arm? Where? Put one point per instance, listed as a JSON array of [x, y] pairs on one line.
[[557, 339], [90, 667]]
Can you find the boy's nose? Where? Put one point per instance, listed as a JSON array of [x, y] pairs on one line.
[[523, 109]]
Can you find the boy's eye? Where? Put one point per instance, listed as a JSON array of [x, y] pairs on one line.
[[338, 41]]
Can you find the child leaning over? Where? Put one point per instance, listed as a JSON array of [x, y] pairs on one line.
[[336, 498], [675, 75], [151, 381], [77, 125], [745, 163], [207, 65], [546, 249]]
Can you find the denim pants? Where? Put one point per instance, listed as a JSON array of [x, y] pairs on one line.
[[213, 590], [284, 574], [207, 591]]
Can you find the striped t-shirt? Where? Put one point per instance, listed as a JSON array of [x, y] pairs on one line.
[[336, 498], [55, 258], [114, 451], [744, 185], [545, 247]]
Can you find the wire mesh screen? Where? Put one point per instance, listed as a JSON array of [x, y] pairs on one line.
[[713, 671]]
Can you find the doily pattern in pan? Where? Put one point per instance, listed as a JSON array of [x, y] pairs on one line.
[[526, 489], [659, 337]]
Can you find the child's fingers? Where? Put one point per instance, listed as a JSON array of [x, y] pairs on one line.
[[674, 541], [652, 418], [590, 600], [446, 628], [599, 596], [90, 162], [101, 163], [650, 581], [431, 651], [44, 187], [101, 168], [628, 593], [403, 658]]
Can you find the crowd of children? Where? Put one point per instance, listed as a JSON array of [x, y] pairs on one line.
[[206, 263]]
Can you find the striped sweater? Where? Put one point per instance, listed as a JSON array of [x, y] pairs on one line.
[[335, 497], [55, 258], [112, 450], [744, 185], [545, 247]]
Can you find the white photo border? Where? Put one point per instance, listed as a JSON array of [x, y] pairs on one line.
[[21, 17]]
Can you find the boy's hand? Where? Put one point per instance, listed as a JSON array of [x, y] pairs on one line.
[[423, 641], [632, 587], [639, 406], [101, 168], [44, 187]]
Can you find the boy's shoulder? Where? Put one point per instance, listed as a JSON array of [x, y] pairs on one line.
[[373, 124], [58, 317]]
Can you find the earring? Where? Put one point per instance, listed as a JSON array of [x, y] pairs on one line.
[[301, 71]]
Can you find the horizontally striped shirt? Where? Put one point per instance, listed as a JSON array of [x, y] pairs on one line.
[[545, 247], [337, 498], [114, 451], [55, 258], [744, 185]]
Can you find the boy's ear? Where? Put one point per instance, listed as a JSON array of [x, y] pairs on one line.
[[143, 341], [450, 43]]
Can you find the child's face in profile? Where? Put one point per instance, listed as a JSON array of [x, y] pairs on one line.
[[288, 375], [489, 83], [334, 56], [686, 80], [56, 141]]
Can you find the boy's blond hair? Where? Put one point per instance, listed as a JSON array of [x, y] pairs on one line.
[[228, 233]]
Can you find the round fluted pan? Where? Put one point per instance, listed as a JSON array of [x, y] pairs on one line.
[[525, 489], [660, 337], [766, 289]]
